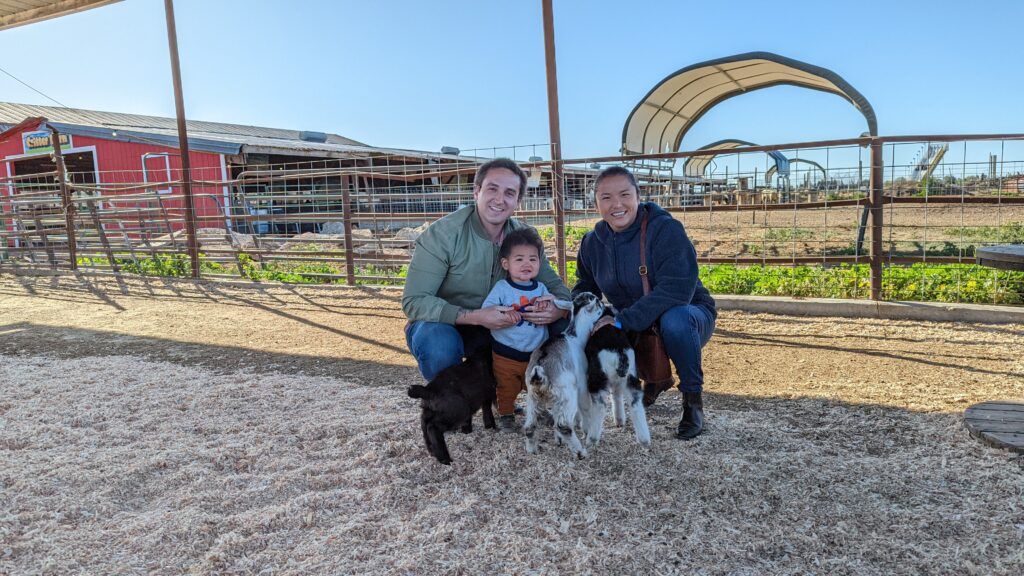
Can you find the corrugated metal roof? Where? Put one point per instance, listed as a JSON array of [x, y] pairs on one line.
[[20, 12], [214, 137]]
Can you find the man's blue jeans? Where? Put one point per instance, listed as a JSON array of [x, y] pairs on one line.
[[685, 330], [437, 345]]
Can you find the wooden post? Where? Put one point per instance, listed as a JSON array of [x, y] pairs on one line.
[[557, 181], [65, 197], [876, 219], [346, 211], [186, 168]]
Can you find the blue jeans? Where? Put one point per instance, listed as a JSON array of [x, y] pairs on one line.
[[436, 345], [685, 330]]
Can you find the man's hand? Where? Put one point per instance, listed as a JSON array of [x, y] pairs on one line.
[[541, 318], [492, 317]]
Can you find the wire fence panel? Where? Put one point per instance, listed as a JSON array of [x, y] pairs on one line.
[[790, 220]]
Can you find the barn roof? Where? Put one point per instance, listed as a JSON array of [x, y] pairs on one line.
[[207, 136], [660, 120]]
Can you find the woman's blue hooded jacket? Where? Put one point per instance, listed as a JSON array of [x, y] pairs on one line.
[[609, 264]]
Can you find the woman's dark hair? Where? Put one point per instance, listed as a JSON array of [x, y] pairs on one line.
[[507, 164], [521, 237], [616, 171]]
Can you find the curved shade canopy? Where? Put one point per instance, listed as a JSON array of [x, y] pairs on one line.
[[771, 171], [658, 123], [695, 166]]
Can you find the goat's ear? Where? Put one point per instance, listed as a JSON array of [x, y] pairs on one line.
[[563, 304]]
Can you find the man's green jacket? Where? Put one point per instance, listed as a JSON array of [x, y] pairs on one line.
[[455, 265]]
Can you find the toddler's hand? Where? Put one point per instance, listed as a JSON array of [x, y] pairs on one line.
[[542, 303]]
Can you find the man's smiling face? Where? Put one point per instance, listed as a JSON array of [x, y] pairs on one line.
[[497, 197]]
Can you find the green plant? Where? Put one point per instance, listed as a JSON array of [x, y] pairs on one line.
[[924, 282], [573, 234], [1012, 233], [787, 234]]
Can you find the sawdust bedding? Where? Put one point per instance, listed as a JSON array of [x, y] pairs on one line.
[[150, 462]]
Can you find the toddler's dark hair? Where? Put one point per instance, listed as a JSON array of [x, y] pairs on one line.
[[521, 237]]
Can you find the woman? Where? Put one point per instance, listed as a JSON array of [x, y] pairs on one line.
[[609, 264]]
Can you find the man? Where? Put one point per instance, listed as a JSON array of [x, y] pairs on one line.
[[454, 266]]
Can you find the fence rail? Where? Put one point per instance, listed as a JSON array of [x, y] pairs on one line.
[[860, 207]]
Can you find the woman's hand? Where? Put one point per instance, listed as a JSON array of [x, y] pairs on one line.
[[601, 322], [543, 317]]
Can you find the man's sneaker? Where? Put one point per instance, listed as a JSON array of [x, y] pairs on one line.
[[507, 424]]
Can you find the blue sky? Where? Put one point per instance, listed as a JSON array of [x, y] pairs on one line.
[[471, 73]]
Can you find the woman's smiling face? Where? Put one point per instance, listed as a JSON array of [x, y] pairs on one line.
[[617, 202]]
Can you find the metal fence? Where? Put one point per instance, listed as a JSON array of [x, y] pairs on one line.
[[883, 218]]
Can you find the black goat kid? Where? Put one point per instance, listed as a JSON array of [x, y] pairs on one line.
[[452, 398]]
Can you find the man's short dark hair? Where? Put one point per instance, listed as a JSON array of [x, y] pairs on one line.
[[521, 237], [616, 171], [506, 163]]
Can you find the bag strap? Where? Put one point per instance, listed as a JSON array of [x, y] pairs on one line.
[[643, 255]]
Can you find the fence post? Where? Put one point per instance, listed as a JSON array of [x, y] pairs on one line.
[[346, 211], [876, 219], [557, 182], [65, 198], [186, 168]]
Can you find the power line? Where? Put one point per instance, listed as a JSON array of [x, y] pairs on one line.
[[34, 89]]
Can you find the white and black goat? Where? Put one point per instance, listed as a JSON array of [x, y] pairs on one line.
[[611, 368], [557, 375], [451, 399]]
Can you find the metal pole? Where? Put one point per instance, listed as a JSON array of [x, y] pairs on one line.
[[557, 182], [876, 219], [65, 198], [186, 168], [346, 211]]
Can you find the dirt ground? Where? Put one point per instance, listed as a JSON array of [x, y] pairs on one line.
[[163, 427]]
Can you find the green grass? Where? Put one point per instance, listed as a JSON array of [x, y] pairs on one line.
[[788, 234], [1012, 233]]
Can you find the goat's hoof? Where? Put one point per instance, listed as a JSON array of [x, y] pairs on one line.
[[445, 461]]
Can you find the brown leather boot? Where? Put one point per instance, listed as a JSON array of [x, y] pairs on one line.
[[654, 389]]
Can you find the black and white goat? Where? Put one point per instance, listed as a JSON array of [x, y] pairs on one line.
[[556, 376], [451, 399], [611, 369]]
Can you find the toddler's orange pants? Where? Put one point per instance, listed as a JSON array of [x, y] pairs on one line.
[[511, 377]]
